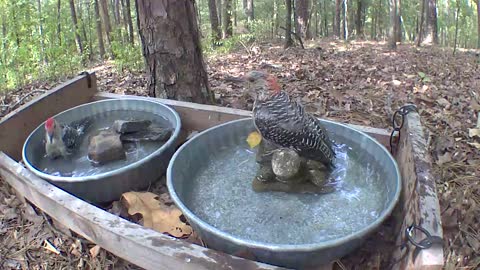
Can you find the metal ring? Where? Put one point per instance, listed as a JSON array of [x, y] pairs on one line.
[[423, 244]]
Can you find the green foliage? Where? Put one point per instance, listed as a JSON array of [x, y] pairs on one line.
[[127, 57]]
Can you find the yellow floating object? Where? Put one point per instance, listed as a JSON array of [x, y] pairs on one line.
[[254, 139]]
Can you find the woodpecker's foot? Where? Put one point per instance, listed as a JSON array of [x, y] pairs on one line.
[[265, 174]]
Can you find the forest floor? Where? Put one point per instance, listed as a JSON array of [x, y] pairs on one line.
[[359, 82]]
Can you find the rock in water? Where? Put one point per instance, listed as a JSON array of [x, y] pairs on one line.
[[105, 147], [149, 134], [122, 126], [285, 164]]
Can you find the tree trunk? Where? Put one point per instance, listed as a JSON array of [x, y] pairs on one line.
[[40, 29], [101, 46], [432, 28], [106, 20], [59, 36], [457, 14], [220, 13], [75, 27], [249, 12], [128, 18], [478, 23], [345, 20], [336, 22], [301, 21], [275, 18], [325, 22], [171, 47], [288, 24], [212, 9], [398, 25], [393, 22], [227, 19], [422, 22], [358, 19], [116, 12], [82, 24]]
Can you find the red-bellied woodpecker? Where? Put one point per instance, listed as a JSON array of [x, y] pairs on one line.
[[284, 122], [63, 140]]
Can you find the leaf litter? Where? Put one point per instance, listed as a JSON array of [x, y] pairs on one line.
[[359, 83]]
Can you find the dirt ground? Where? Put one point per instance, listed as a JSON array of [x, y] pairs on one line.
[[359, 82]]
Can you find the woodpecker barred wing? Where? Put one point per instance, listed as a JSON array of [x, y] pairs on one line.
[[285, 123]]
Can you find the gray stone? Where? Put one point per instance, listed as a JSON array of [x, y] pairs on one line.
[[285, 163], [149, 134], [123, 126], [105, 147]]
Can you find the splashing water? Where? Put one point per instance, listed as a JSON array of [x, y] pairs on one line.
[[79, 165], [222, 196]]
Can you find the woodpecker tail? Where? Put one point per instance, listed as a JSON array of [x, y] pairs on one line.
[[82, 125]]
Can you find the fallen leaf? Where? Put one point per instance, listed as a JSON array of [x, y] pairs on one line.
[[475, 144], [396, 82], [50, 247], [443, 102], [254, 139], [447, 157], [474, 132], [157, 211], [94, 251]]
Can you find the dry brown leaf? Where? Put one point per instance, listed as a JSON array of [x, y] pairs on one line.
[[474, 132], [94, 251], [447, 157], [157, 212], [475, 144]]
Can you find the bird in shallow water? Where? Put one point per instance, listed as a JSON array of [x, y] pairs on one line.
[[63, 140], [285, 123]]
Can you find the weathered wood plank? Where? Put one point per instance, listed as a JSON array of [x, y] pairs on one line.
[[18, 124], [200, 117], [142, 246], [419, 197]]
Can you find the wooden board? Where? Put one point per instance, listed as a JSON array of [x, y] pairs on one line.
[[18, 124], [419, 196], [200, 117], [142, 246]]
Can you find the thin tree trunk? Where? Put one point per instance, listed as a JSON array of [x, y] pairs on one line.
[[275, 18], [40, 29], [457, 12], [178, 72], [220, 12], [59, 36], [432, 28], [301, 20], [75, 27], [336, 25], [358, 21], [227, 19], [82, 24], [345, 20], [393, 22], [478, 23], [398, 25], [128, 18], [101, 46], [249, 11], [235, 12], [420, 27], [325, 22], [212, 9], [106, 20], [116, 11], [288, 24]]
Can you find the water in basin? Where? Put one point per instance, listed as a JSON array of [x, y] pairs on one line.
[[222, 196], [79, 164]]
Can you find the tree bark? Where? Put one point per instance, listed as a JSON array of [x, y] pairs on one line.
[[116, 12], [336, 22], [393, 22], [432, 28], [75, 27], [227, 19], [457, 14], [275, 18], [288, 24], [249, 12], [358, 19], [478, 23], [345, 20], [106, 20], [422, 22], [101, 46], [212, 9], [40, 29], [171, 46], [128, 18], [220, 12], [301, 20], [398, 25], [59, 36]]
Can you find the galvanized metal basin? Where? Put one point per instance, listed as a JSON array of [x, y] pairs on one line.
[[108, 185], [195, 155]]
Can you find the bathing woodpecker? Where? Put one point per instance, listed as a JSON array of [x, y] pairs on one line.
[[285, 123], [63, 140]]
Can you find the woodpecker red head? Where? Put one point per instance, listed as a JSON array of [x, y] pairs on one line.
[[261, 85], [50, 127]]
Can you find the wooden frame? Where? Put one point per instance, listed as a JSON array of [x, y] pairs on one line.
[[152, 250]]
